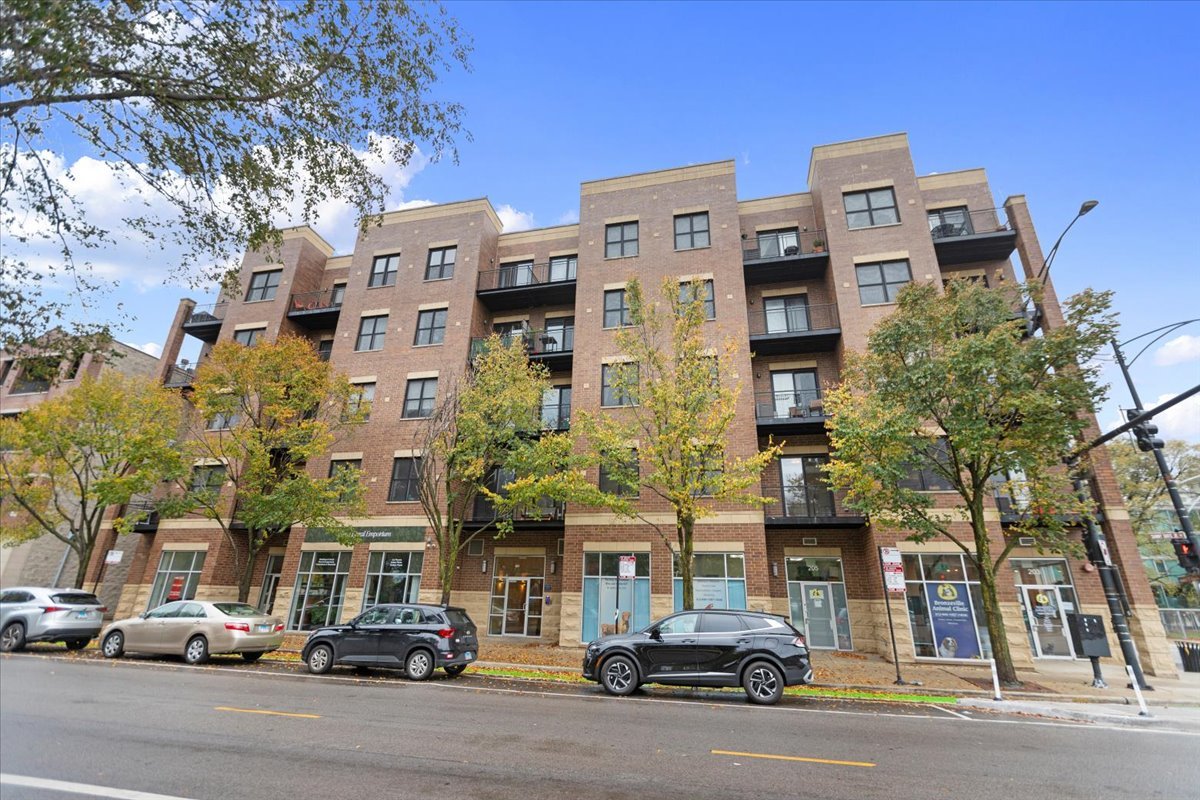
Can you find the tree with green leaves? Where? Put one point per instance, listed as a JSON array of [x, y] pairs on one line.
[[66, 460], [257, 416], [214, 116], [678, 390], [951, 383]]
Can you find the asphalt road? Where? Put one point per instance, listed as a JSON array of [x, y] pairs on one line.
[[118, 729]]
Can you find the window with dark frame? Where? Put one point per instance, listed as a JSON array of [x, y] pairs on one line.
[[419, 398], [431, 327], [440, 264], [880, 283], [616, 309], [263, 285], [337, 294], [5, 368], [922, 477], [384, 270], [562, 268], [405, 484], [609, 481], [612, 395], [954, 221], [371, 332], [248, 336], [362, 397], [871, 208], [621, 240], [221, 422], [691, 231], [689, 291], [324, 349], [208, 478], [341, 464], [559, 336]]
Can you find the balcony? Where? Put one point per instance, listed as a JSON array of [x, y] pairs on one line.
[[966, 237], [149, 522], [317, 311], [807, 507], [181, 376], [789, 412], [799, 329], [784, 256], [547, 514], [554, 347], [525, 285], [205, 322]]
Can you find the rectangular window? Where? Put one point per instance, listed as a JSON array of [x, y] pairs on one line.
[[950, 222], [320, 589], [718, 581], [341, 465], [871, 208], [177, 576], [691, 231], [945, 608], [788, 314], [371, 332], [556, 408], [362, 396], [880, 283], [337, 295], [559, 336], [617, 382], [419, 398], [393, 577], [562, 268], [324, 349], [518, 273], [923, 477], [249, 336], [440, 264], [383, 271], [263, 285], [778, 243], [208, 479], [806, 491], [405, 485], [621, 240], [622, 479], [431, 327], [73, 370], [222, 422], [5, 367], [607, 601], [688, 292], [616, 309]]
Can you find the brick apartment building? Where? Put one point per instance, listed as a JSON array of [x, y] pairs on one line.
[[799, 279], [46, 561]]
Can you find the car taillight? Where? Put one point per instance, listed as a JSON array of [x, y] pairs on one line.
[[244, 627], [52, 609], [446, 633], [278, 627], [799, 642], [103, 609]]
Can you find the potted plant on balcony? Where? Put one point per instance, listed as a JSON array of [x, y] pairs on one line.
[[818, 245]]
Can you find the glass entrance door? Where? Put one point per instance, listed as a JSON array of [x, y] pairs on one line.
[[1045, 617], [517, 593], [817, 597]]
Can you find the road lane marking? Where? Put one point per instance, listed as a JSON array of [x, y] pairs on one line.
[[264, 711], [81, 788], [793, 758], [954, 713]]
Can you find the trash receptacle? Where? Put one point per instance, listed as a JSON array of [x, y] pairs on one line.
[[1189, 653]]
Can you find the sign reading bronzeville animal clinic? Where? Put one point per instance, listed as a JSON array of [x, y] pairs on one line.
[[953, 620], [377, 533]]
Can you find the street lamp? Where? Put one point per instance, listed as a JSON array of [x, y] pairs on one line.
[[1084, 208]]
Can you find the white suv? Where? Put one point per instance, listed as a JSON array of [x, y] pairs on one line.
[[32, 614]]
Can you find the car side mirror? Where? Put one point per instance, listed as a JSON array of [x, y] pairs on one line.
[[144, 615], [655, 633], [353, 624]]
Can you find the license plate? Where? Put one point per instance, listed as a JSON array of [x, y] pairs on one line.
[[83, 614], [468, 655], [263, 628]]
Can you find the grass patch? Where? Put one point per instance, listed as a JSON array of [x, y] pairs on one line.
[[529, 674]]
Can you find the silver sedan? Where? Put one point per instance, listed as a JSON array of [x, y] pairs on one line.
[[195, 629]]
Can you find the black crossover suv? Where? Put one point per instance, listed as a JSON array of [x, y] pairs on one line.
[[760, 652], [415, 638]]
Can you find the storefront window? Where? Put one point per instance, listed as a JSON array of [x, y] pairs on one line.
[[609, 602], [320, 589], [945, 609], [518, 590], [177, 576], [393, 577], [817, 600], [718, 581]]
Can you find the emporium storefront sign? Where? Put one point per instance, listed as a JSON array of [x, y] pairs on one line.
[[371, 533]]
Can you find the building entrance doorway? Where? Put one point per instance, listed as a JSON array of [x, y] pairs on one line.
[[1046, 612], [817, 597], [517, 594]]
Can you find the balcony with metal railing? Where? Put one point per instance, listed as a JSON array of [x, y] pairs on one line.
[[545, 514], [181, 376], [556, 418], [784, 255], [961, 236], [803, 506], [794, 329], [525, 284], [553, 347], [204, 322], [789, 412], [316, 310], [148, 513]]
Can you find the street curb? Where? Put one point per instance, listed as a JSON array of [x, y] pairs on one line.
[[1041, 710]]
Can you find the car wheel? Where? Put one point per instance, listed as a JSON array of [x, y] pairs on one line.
[[454, 670], [320, 659], [196, 651], [763, 683], [77, 644], [250, 658], [13, 638], [419, 665], [113, 645], [618, 676]]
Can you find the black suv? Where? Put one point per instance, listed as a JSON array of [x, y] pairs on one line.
[[415, 638], [760, 652]]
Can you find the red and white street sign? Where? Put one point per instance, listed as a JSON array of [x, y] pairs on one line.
[[627, 566], [893, 569]]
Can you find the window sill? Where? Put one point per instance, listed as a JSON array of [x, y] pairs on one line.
[[873, 227], [402, 419], [619, 258], [690, 249], [877, 305], [254, 302], [431, 344], [382, 286], [399, 502], [372, 350], [435, 280], [623, 405]]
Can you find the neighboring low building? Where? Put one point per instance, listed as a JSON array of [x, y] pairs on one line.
[[1175, 592]]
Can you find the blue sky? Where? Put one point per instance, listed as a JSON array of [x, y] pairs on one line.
[[1061, 102]]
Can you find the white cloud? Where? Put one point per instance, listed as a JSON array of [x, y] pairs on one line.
[[150, 348], [513, 219], [1179, 350], [569, 217], [1181, 421]]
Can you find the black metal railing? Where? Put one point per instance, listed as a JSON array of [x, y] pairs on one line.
[[147, 514], [537, 342], [788, 405], [181, 375], [950, 224], [546, 510], [804, 501], [213, 312], [525, 273], [316, 301], [556, 418], [793, 319], [782, 244]]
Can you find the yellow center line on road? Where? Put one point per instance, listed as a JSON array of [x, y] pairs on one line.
[[264, 711], [793, 758]]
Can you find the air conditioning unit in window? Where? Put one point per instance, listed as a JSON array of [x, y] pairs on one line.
[[809, 541], [1025, 541]]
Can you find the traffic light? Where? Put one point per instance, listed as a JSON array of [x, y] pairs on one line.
[[1147, 437], [1186, 553]]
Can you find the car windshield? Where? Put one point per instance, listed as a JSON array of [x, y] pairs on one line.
[[237, 609], [75, 599]]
